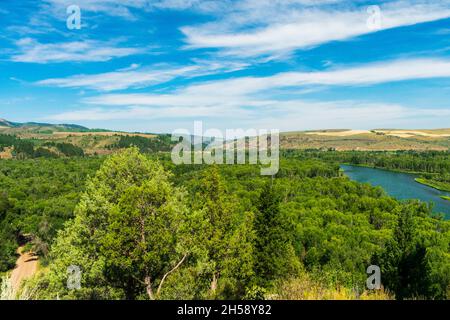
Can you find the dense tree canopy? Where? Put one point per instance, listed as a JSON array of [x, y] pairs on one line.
[[143, 228], [36, 197]]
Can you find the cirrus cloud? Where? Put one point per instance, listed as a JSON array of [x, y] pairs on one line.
[[32, 51], [303, 27], [140, 77]]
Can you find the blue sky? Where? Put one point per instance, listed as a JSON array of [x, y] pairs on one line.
[[159, 65]]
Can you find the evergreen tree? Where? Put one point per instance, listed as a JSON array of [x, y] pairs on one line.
[[274, 253], [227, 236], [404, 265], [128, 233]]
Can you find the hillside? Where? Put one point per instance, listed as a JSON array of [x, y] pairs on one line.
[[102, 141], [365, 140], [36, 127], [45, 135]]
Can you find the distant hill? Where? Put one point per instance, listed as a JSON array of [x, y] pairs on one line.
[[368, 140], [47, 136], [100, 140], [6, 123], [36, 125]]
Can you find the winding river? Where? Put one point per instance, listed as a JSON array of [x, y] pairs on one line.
[[400, 186]]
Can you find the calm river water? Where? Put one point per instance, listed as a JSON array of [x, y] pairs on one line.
[[400, 186]]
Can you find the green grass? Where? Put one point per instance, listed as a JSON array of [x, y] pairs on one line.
[[445, 198], [434, 184]]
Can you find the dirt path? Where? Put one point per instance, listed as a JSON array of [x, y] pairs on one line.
[[26, 266]]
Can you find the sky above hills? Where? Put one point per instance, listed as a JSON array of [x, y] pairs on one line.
[[159, 65]]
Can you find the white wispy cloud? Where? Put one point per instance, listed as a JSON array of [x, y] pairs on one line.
[[120, 79], [241, 91], [139, 77], [253, 29], [367, 74], [285, 116], [251, 100], [145, 113], [298, 115], [32, 51]]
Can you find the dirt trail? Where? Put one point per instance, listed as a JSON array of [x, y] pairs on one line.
[[26, 266]]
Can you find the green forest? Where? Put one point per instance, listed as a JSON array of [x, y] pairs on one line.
[[139, 227], [33, 148]]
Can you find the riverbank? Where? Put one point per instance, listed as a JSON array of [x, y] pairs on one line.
[[445, 198], [382, 168], [434, 184]]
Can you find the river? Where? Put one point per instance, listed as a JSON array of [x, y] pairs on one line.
[[400, 186]]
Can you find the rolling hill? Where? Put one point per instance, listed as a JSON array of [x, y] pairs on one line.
[[368, 140], [9, 126], [99, 141]]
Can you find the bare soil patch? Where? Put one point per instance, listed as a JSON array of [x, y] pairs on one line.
[[26, 267], [339, 133]]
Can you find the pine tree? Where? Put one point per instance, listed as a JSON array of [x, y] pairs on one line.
[[404, 265], [274, 253], [226, 237]]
